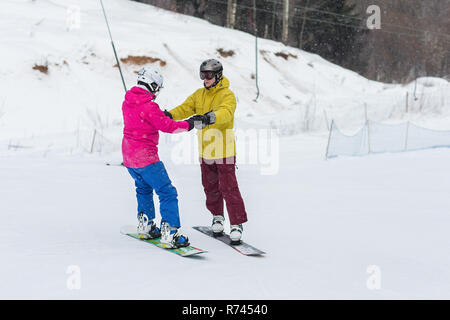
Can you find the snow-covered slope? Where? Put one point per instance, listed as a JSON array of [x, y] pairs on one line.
[[373, 227], [82, 88], [364, 228]]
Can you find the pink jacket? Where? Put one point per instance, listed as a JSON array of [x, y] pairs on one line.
[[142, 121]]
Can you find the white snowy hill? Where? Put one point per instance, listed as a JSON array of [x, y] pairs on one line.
[[373, 227], [78, 87]]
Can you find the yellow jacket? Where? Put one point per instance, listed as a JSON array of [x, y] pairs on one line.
[[216, 141]]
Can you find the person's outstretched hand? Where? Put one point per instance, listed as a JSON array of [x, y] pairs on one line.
[[197, 122], [209, 118], [168, 114]]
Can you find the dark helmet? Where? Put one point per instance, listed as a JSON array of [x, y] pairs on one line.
[[214, 66], [211, 65]]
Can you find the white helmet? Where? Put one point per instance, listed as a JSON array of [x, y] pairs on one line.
[[150, 78]]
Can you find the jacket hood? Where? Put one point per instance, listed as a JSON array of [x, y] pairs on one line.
[[138, 96]]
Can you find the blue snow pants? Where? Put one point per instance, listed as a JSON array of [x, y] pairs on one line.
[[154, 177]]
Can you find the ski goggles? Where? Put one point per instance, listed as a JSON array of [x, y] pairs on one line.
[[208, 75]]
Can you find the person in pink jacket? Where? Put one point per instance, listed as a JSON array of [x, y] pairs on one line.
[[143, 119]]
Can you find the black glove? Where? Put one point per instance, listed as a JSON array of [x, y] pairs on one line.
[[196, 121], [209, 118], [168, 114]]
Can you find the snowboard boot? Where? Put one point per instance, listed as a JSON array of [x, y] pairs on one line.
[[236, 233], [147, 229], [217, 225], [172, 238]]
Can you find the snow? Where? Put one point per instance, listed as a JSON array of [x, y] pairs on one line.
[[324, 224], [83, 90]]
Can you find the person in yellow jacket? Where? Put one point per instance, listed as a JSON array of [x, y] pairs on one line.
[[214, 105]]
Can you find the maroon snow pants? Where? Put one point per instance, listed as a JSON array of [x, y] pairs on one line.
[[220, 183]]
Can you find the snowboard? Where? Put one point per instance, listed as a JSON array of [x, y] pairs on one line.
[[242, 247], [184, 252], [115, 164]]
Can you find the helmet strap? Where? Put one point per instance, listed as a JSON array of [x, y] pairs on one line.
[[145, 85], [152, 88]]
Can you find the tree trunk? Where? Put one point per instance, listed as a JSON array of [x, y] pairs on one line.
[[255, 26], [285, 33], [273, 21], [231, 13], [300, 45]]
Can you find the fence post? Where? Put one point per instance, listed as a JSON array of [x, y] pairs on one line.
[[407, 122], [78, 133], [407, 135], [329, 139], [365, 112], [407, 95], [368, 127], [93, 140]]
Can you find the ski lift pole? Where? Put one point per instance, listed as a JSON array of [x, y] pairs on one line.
[[256, 48], [113, 46], [256, 66]]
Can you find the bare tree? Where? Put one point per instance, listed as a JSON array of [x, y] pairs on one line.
[[231, 13], [414, 39], [285, 34]]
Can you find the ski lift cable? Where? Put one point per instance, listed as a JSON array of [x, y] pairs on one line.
[[332, 23]]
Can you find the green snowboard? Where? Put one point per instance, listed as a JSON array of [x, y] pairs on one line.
[[184, 252]]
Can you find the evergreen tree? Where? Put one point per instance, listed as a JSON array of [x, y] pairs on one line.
[[331, 30]]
